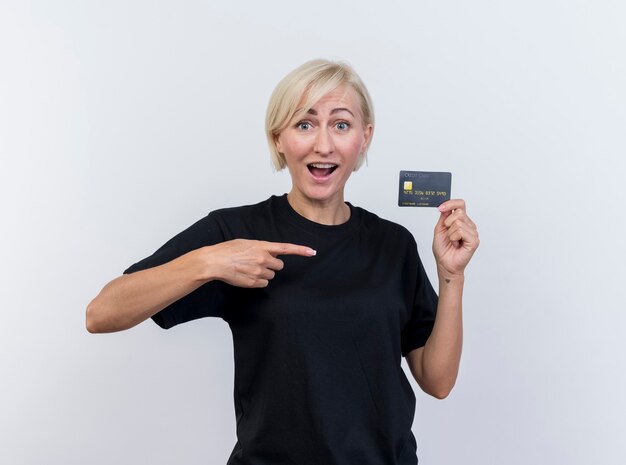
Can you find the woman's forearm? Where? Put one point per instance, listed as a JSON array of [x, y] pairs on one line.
[[130, 299], [442, 352]]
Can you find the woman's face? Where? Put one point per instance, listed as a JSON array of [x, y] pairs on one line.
[[323, 147]]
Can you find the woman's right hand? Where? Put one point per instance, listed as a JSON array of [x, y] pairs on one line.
[[250, 263]]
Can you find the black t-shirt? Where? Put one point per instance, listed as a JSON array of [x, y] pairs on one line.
[[318, 376]]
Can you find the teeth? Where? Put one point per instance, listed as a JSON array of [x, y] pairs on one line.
[[322, 165]]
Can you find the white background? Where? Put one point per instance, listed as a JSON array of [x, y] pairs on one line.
[[123, 122]]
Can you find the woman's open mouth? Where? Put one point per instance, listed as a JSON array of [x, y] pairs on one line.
[[321, 170]]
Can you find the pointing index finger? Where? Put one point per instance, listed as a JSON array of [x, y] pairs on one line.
[[283, 248]]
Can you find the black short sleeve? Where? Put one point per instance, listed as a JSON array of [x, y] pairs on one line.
[[208, 299], [420, 324]]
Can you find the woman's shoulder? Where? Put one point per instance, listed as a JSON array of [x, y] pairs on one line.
[[244, 210], [245, 221]]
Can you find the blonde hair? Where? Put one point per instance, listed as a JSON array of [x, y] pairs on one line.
[[297, 92]]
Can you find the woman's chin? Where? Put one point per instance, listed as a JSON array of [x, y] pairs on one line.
[[321, 194]]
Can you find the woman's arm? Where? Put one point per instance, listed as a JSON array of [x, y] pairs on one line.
[[130, 299], [436, 365]]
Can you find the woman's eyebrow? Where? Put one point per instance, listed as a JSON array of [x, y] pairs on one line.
[[334, 110]]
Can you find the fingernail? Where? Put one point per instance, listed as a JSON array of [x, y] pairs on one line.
[[441, 208], [312, 252]]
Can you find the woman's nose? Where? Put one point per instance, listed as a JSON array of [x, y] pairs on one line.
[[324, 142]]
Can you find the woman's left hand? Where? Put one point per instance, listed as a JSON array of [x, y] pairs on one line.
[[456, 238]]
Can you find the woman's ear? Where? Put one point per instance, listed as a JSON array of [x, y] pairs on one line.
[[277, 143], [367, 137]]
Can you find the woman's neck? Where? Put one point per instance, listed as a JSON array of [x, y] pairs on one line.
[[329, 212]]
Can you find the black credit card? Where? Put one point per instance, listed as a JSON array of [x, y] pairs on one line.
[[424, 188]]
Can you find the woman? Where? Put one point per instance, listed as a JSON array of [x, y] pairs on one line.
[[319, 333]]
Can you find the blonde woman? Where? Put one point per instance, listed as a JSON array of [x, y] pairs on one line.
[[323, 298]]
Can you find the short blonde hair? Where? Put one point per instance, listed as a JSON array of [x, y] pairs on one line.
[[297, 92]]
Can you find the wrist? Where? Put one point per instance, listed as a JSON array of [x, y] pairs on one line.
[[201, 262], [448, 277]]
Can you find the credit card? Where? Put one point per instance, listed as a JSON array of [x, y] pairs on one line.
[[424, 188]]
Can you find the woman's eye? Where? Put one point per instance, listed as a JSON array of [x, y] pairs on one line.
[[342, 126], [304, 125]]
